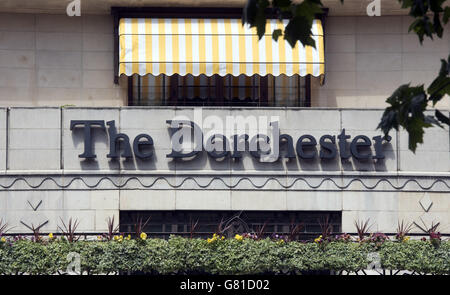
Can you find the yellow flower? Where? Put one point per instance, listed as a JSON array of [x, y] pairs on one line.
[[50, 235], [120, 238], [3, 240], [405, 239], [128, 238], [143, 236], [238, 237], [317, 240], [116, 238], [99, 238], [214, 238]]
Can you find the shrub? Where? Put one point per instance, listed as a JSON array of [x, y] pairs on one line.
[[219, 256]]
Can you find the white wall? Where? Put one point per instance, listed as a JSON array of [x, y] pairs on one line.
[[56, 60], [367, 58]]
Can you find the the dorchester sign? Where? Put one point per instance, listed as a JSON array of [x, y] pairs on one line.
[[188, 139]]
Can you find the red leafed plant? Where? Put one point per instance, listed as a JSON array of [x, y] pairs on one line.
[[403, 230], [192, 227], [326, 228], [362, 229], [294, 231], [69, 229], [112, 229], [139, 226], [3, 227]]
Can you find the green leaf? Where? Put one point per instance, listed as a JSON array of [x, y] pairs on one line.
[[437, 26], [254, 14], [441, 85], [299, 29], [446, 16], [442, 118], [421, 10], [281, 4], [389, 121], [415, 132], [408, 105], [432, 121], [276, 34], [249, 12], [308, 9]]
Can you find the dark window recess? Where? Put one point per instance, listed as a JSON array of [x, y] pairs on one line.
[[189, 90], [164, 223]]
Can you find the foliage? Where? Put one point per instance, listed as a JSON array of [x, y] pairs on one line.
[[408, 107], [139, 225], [180, 255], [408, 104], [403, 229], [378, 239], [69, 229], [112, 228], [326, 228], [3, 227], [418, 256], [300, 14], [421, 11], [362, 228]]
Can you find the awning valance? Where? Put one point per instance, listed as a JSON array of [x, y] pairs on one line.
[[213, 46]]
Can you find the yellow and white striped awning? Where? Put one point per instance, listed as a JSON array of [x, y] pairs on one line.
[[213, 46]]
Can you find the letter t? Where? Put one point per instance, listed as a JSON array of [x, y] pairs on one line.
[[88, 124]]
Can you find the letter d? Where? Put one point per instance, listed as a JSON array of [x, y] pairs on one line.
[[74, 8], [374, 8]]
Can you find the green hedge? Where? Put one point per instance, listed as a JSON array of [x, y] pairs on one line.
[[229, 256]]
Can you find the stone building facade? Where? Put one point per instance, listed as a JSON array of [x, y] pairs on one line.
[[55, 69]]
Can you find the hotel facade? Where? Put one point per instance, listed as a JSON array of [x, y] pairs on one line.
[[91, 107]]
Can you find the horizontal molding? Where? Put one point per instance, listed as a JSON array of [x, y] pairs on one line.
[[226, 181], [267, 173]]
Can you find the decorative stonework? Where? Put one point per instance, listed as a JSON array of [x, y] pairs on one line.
[[426, 203], [35, 221], [264, 182]]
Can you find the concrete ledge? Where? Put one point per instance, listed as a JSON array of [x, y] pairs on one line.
[[225, 182]]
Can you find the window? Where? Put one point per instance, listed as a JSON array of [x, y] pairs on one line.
[[131, 58], [164, 223], [189, 90]]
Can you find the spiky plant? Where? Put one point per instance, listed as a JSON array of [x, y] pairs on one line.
[[362, 228], [112, 229], [192, 227], [3, 227], [403, 229], [294, 231], [69, 229], [139, 226], [326, 228], [260, 230]]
